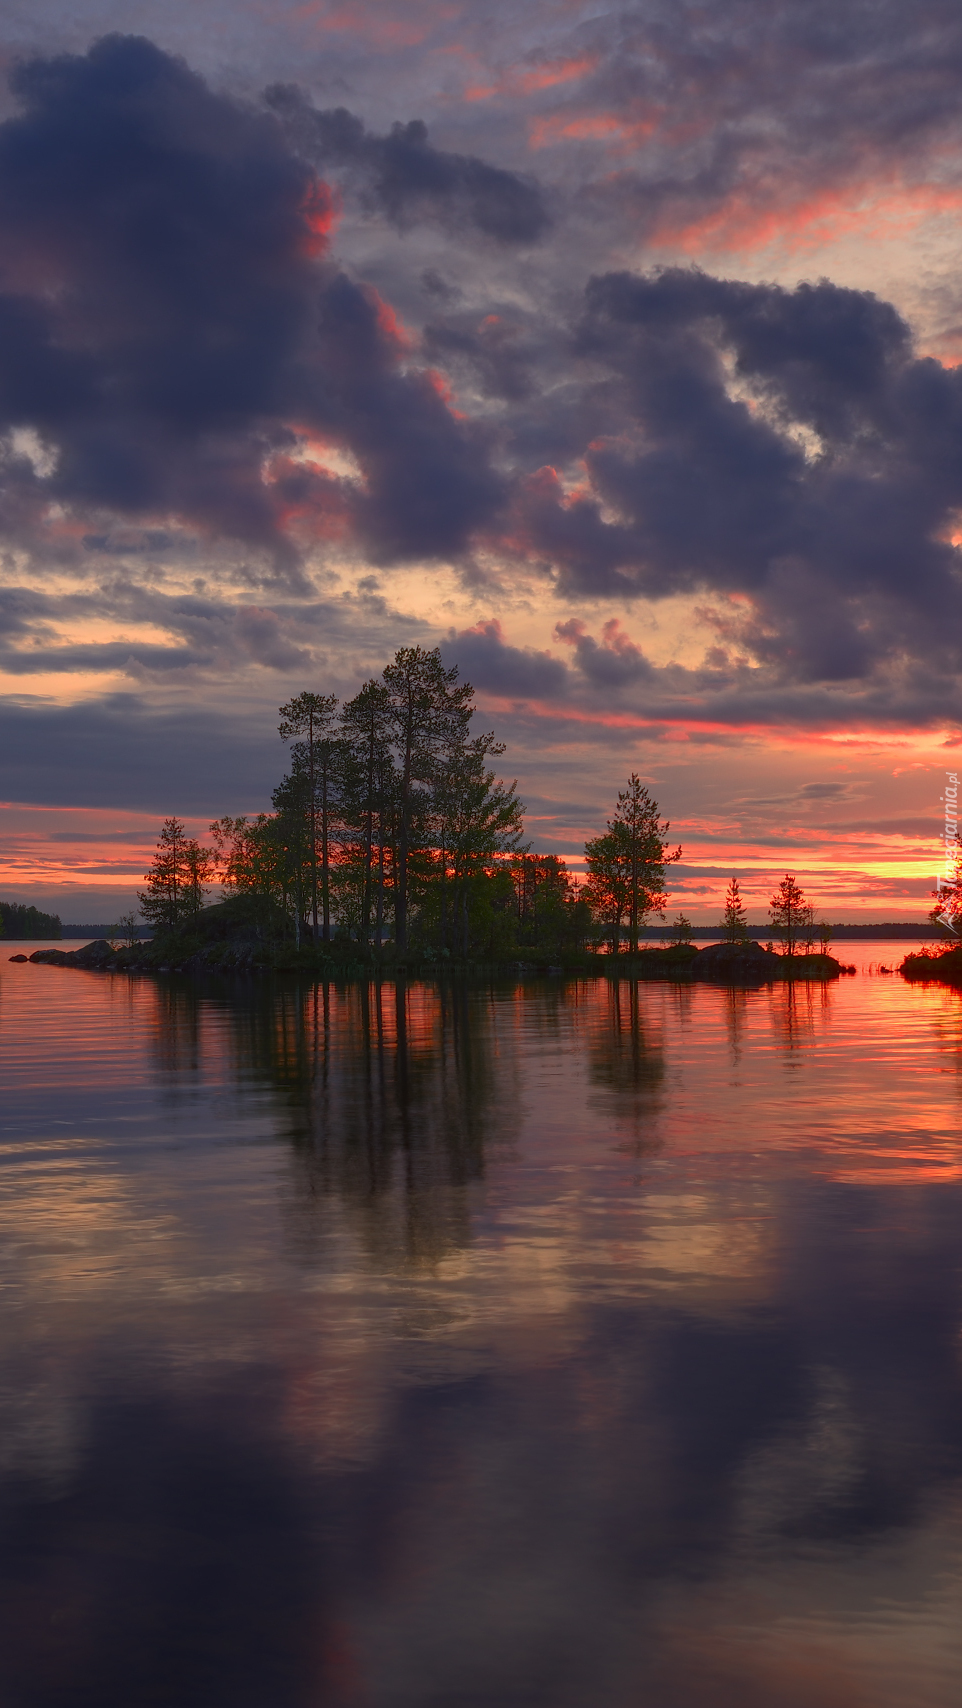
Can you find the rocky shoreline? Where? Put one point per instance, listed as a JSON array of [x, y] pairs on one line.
[[240, 952]]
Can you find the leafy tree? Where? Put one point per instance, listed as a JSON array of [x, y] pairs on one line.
[[791, 914], [734, 922], [309, 719], [825, 934], [606, 887], [552, 913], [254, 858], [428, 714], [626, 864], [178, 878]]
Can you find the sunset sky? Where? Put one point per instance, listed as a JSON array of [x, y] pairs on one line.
[[611, 349]]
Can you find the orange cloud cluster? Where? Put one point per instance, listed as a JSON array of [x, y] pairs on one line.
[[752, 219]]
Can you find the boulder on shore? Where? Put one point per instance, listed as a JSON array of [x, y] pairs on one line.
[[736, 963], [98, 954]]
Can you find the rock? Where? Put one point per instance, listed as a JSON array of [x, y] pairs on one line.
[[53, 958], [736, 963], [18, 957], [98, 954]]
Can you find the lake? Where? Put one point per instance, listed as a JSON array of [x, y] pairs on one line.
[[562, 1343]]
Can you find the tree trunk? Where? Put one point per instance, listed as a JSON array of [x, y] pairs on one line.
[[325, 864]]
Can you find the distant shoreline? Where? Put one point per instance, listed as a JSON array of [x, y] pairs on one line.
[[894, 930]]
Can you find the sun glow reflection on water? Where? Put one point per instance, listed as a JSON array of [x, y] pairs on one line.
[[551, 1342]]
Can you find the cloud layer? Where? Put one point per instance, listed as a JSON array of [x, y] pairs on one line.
[[449, 327]]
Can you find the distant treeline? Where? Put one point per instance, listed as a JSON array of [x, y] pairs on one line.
[[23, 923], [895, 931]]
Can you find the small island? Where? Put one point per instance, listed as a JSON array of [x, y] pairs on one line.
[[943, 966], [395, 848]]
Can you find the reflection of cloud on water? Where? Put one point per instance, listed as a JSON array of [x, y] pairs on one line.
[[446, 1393]]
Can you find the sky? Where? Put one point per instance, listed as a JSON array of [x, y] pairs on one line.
[[616, 351]]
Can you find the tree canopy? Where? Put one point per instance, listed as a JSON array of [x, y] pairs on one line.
[[392, 823]]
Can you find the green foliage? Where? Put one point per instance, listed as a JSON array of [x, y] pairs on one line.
[[178, 880], [626, 865], [308, 721], [428, 713], [553, 917], [680, 929], [392, 819]]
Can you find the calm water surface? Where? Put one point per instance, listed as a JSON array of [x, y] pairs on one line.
[[562, 1344]]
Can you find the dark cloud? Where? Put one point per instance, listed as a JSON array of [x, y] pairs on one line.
[[783, 444], [495, 352], [485, 658], [407, 179], [613, 662], [559, 703], [121, 751], [174, 334], [168, 326]]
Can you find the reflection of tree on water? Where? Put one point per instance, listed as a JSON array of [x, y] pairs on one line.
[[176, 1032], [736, 1014], [626, 1058], [796, 1008], [389, 1095]]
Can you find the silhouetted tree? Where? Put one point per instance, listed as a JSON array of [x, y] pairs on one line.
[[429, 713], [368, 795], [309, 719], [734, 923], [791, 913], [626, 864], [178, 880], [681, 929]]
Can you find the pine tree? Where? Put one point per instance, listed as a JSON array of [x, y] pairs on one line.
[[734, 924], [310, 719], [626, 863], [368, 791], [681, 929], [791, 913], [178, 880], [429, 716]]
